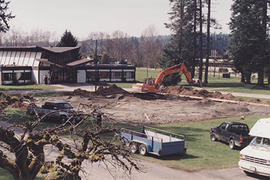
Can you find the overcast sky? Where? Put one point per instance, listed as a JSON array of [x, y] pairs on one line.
[[84, 16]]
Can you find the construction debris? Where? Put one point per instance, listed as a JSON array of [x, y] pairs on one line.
[[14, 101]]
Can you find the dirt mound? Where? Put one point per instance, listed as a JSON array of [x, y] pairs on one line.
[[82, 93], [149, 96], [181, 90], [111, 90], [101, 91]]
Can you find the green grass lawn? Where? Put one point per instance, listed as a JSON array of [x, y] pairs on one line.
[[215, 83], [5, 175], [141, 74], [17, 116], [202, 153], [27, 87]]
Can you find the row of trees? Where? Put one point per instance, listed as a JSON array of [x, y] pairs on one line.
[[187, 19], [15, 37], [250, 48], [249, 41], [143, 51]]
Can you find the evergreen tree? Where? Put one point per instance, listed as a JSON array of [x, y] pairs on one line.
[[68, 40], [180, 47], [5, 16], [249, 39]]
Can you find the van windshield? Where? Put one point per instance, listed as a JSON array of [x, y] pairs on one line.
[[259, 141]]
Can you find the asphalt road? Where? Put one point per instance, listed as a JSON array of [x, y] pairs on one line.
[[154, 171]]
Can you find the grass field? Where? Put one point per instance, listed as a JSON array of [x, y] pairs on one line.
[[4, 175], [221, 84], [27, 87], [201, 152], [141, 74]]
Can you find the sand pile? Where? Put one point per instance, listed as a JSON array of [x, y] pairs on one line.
[[181, 90]]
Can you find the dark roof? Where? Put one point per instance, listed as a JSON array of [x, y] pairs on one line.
[[79, 62], [59, 49], [46, 61], [38, 48]]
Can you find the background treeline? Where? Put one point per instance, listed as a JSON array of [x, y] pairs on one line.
[[143, 51]]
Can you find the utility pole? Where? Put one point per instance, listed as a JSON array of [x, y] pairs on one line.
[[208, 43], [201, 43], [96, 69], [194, 40]]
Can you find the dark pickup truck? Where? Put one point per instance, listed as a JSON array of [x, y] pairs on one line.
[[233, 133], [58, 111]]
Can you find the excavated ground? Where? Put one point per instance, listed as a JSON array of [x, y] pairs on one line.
[[147, 108]]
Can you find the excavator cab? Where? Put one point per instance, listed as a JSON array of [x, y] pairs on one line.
[[149, 81]]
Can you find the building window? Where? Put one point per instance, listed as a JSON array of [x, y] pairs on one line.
[[128, 75], [104, 75], [90, 76], [117, 76], [25, 76], [7, 76]]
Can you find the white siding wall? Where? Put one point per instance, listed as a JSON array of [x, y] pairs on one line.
[[81, 76], [38, 56], [35, 76], [20, 61]]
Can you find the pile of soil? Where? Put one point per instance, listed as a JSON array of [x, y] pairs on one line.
[[111, 90], [82, 93], [181, 90], [101, 91]]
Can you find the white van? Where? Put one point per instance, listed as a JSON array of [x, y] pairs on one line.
[[255, 158]]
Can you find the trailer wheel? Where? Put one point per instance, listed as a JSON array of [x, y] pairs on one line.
[[142, 149], [133, 147]]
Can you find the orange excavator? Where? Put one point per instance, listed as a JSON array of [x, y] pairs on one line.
[[154, 85]]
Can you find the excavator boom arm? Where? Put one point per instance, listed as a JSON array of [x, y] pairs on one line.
[[171, 70]]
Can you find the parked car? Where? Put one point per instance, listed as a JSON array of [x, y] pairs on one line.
[[255, 158], [55, 110], [234, 133], [153, 141]]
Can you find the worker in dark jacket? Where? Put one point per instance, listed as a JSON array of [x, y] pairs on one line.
[[99, 118]]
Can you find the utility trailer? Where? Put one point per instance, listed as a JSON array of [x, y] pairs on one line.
[[153, 141]]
